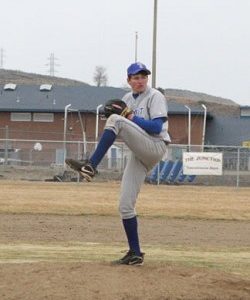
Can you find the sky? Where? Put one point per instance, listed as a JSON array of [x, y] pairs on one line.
[[202, 45]]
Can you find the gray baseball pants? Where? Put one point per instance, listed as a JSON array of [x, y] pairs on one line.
[[146, 151]]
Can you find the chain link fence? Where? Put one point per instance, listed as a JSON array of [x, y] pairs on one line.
[[236, 165], [44, 159]]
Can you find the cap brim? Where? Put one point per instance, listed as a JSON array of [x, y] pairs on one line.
[[146, 71]]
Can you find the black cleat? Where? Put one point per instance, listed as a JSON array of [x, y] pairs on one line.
[[83, 167], [75, 164], [88, 172], [130, 259]]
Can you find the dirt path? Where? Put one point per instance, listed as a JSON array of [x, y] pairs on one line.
[[97, 280], [102, 282], [57, 241], [108, 229]]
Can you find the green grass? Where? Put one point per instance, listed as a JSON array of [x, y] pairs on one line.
[[233, 260]]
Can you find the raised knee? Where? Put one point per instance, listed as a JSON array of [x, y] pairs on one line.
[[112, 120], [126, 211], [113, 123]]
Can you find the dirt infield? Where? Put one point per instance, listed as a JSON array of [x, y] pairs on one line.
[[57, 241]]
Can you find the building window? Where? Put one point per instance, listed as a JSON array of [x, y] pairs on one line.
[[24, 117], [43, 117]]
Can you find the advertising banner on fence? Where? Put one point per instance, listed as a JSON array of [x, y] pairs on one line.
[[200, 163]]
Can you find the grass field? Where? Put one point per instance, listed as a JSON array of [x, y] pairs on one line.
[[101, 199], [182, 227]]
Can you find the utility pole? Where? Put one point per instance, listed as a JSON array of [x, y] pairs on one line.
[[1, 58], [136, 45], [52, 64], [154, 46]]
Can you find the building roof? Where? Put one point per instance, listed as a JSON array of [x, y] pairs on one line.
[[85, 98]]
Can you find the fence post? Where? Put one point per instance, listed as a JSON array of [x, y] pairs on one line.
[[78, 150], [158, 174], [122, 159], [78, 157], [238, 167], [6, 146]]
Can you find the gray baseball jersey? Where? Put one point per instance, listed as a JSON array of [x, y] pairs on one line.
[[149, 105], [146, 149]]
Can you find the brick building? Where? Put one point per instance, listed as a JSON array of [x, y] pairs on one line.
[[37, 113], [33, 113]]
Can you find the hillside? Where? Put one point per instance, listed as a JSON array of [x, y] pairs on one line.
[[19, 77], [215, 105], [197, 97]]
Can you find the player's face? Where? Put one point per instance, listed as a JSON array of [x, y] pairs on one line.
[[138, 82]]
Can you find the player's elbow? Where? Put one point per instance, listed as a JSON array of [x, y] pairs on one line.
[[157, 129], [157, 126]]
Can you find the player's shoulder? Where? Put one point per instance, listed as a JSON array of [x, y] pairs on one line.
[[154, 93], [127, 96]]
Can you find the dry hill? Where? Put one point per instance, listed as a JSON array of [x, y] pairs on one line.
[[197, 97], [19, 77], [215, 105]]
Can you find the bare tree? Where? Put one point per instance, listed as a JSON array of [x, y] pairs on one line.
[[100, 76]]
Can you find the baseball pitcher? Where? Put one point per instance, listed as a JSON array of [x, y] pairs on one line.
[[140, 119]]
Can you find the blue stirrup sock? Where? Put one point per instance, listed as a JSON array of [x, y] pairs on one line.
[[131, 229], [107, 139]]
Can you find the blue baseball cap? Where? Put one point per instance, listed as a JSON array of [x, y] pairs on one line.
[[136, 68]]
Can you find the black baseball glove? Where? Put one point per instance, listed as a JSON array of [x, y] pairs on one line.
[[116, 106]]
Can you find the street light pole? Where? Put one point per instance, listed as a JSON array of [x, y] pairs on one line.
[[204, 125], [189, 127], [64, 132], [136, 45], [154, 46]]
